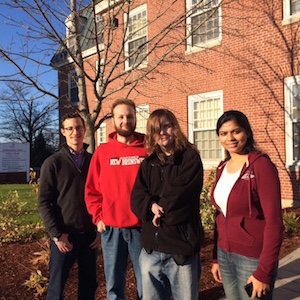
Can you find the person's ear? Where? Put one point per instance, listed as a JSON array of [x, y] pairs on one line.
[[62, 131]]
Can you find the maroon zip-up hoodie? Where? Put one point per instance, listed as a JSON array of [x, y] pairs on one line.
[[253, 225]]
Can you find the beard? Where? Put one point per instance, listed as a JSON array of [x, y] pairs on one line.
[[125, 132]]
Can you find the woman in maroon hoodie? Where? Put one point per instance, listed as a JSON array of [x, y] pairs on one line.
[[249, 226]]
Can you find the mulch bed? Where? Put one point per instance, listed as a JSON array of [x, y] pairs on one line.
[[16, 267]]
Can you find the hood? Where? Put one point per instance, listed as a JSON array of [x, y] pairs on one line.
[[139, 140], [252, 157]]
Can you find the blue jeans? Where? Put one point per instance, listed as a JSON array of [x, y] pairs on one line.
[[117, 243], [235, 271], [60, 265], [162, 277]]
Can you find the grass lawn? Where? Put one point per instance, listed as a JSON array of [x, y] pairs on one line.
[[27, 196]]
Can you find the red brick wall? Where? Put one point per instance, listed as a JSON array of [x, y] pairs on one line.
[[249, 67]]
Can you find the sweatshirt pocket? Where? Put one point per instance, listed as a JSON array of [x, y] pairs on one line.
[[233, 229]]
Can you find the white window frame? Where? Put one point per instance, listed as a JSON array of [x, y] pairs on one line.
[[101, 134], [207, 163], [288, 18], [205, 45], [289, 82], [134, 12], [143, 111], [71, 81]]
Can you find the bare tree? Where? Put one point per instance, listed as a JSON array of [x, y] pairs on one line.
[[25, 119], [45, 22]]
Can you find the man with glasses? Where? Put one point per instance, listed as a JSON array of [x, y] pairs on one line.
[[63, 211]]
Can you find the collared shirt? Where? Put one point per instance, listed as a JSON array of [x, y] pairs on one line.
[[78, 157]]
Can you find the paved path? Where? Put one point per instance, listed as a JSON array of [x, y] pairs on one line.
[[287, 285]]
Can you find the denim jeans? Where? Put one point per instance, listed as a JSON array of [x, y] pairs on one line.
[[235, 271], [163, 278], [117, 243], [60, 265]]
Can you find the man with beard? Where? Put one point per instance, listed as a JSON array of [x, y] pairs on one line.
[[110, 180]]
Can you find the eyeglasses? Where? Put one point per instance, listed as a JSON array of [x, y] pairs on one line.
[[70, 130]]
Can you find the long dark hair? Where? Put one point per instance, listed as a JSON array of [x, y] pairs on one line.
[[241, 120]]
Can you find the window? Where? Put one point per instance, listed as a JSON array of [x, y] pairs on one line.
[[291, 11], [292, 119], [204, 111], [142, 115], [203, 24], [101, 134], [100, 28], [71, 31], [73, 88], [136, 42]]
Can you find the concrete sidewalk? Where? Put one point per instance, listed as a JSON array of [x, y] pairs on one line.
[[287, 285]]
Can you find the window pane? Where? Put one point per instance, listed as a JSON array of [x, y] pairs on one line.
[[100, 28], [296, 102], [73, 96], [137, 45], [142, 115], [295, 6], [205, 25], [205, 137], [102, 134], [137, 52], [296, 135]]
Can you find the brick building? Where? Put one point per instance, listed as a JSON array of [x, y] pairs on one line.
[[211, 56]]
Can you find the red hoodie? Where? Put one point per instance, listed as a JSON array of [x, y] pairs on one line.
[[253, 224], [110, 180]]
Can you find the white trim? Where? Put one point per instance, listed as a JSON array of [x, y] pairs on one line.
[[104, 5], [207, 164], [288, 98]]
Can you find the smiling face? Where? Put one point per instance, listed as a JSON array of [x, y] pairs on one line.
[[166, 137], [124, 120], [74, 130], [233, 137]]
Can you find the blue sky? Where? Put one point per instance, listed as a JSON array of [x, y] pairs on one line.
[[11, 36]]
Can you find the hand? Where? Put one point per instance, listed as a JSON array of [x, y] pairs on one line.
[[158, 212], [63, 243], [215, 269], [101, 226], [259, 288], [96, 242]]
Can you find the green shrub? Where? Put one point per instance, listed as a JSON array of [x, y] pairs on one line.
[[12, 226], [291, 222], [207, 211]]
